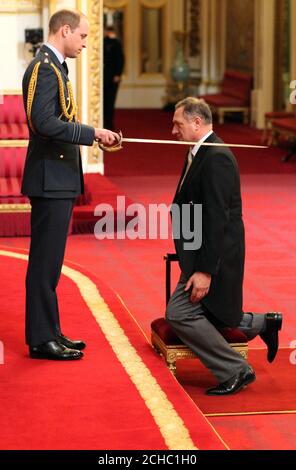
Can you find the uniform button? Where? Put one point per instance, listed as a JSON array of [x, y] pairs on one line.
[[61, 156]]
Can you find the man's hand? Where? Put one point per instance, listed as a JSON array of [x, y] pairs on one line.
[[106, 137], [117, 78], [200, 283]]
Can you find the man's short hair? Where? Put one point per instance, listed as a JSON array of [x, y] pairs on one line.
[[194, 107], [62, 17]]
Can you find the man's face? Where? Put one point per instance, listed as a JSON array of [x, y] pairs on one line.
[[184, 129], [75, 40]]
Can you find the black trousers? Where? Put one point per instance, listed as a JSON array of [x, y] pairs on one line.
[[110, 94], [50, 220]]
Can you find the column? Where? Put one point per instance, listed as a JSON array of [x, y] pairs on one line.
[[262, 95], [213, 33]]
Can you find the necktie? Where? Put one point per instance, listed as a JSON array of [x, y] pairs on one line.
[[64, 64], [189, 162]]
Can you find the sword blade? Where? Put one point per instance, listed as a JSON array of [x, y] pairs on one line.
[[177, 142]]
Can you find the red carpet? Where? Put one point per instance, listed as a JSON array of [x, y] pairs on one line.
[[273, 390], [95, 403], [135, 269], [140, 159], [258, 432]]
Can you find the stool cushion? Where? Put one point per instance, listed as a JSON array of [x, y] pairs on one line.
[[165, 332], [220, 100], [279, 115], [167, 335], [285, 124]]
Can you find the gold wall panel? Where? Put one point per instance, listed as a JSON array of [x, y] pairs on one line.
[[115, 3], [240, 32], [153, 3], [95, 17]]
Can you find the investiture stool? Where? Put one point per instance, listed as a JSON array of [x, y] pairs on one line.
[[53, 178]]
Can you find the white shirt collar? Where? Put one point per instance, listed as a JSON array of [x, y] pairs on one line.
[[195, 149], [60, 56]]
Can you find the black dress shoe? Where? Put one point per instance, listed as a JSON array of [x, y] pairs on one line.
[[234, 384], [71, 344], [270, 335], [54, 350]]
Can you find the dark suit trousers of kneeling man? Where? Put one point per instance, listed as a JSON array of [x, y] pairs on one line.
[[209, 293], [53, 179]]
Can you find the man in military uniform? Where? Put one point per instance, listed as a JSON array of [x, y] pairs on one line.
[[53, 178]]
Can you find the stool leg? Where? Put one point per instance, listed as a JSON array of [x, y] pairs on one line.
[[265, 134], [172, 367], [246, 117], [273, 138], [156, 349], [289, 155]]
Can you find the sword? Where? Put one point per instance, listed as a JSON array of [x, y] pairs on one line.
[[118, 145]]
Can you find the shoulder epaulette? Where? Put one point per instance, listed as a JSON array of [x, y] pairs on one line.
[[46, 58]]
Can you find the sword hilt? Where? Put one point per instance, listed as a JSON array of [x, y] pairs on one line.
[[114, 147]]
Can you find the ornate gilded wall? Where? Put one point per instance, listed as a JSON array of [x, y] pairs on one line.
[[240, 35], [194, 28], [282, 59]]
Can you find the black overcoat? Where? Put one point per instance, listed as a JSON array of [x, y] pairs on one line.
[[213, 181]]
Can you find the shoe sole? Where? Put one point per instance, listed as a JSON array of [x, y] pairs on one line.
[[249, 380], [43, 356]]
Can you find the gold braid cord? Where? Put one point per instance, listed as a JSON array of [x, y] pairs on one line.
[[31, 93], [72, 104], [64, 107]]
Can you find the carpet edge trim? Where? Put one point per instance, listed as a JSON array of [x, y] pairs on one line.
[[249, 413]]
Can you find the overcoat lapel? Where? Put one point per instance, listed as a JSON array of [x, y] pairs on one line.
[[199, 157]]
